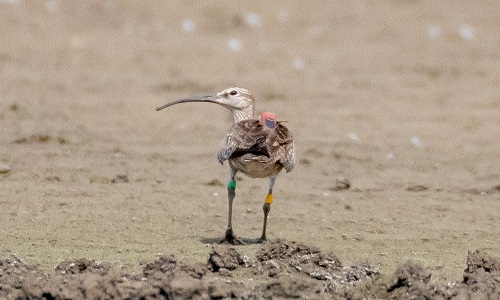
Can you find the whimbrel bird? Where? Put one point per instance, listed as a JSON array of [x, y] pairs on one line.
[[259, 148]]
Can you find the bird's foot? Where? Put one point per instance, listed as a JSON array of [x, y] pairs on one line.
[[230, 238], [261, 240]]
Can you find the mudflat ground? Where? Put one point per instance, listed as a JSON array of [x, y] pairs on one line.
[[400, 98]]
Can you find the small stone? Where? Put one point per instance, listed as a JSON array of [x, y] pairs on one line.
[[273, 264], [341, 183], [120, 178], [4, 169], [246, 261]]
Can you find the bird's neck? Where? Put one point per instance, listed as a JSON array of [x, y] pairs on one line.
[[243, 114]]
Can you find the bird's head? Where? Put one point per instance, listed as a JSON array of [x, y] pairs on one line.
[[238, 100]]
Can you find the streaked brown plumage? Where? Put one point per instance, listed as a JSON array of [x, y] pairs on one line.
[[257, 150], [252, 146]]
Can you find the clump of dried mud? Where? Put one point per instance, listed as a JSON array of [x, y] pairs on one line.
[[281, 269]]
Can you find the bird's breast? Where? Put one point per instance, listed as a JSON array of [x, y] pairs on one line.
[[256, 166]]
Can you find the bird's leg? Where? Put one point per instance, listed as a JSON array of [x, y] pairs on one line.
[[267, 207], [229, 237]]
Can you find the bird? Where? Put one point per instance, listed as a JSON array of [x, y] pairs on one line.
[[259, 147]]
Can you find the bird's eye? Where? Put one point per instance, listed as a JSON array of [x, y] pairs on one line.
[[233, 92]]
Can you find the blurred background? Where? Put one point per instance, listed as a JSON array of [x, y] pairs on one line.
[[329, 55], [392, 95], [418, 73]]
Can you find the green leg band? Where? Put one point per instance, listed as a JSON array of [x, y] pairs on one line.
[[231, 184]]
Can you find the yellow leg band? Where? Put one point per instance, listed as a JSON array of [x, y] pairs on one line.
[[269, 198]]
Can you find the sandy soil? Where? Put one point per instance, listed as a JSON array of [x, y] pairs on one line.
[[400, 98]]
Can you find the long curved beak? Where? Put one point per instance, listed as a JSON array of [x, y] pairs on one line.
[[209, 99]]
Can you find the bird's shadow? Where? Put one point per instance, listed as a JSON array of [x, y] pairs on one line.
[[216, 241]]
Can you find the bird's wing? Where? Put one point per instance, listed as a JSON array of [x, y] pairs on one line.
[[281, 146], [247, 136], [250, 136]]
